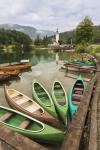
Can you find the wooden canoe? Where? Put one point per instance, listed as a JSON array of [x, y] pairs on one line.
[[11, 72], [29, 127], [76, 94], [42, 97], [75, 67], [5, 75], [26, 105], [60, 100], [16, 67]]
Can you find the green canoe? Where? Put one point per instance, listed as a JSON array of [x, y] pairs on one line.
[[81, 63], [76, 94], [60, 100], [29, 127], [43, 98], [84, 63]]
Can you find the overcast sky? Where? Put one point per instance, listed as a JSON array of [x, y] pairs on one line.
[[49, 14]]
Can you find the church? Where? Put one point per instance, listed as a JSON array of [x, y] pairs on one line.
[[55, 40]]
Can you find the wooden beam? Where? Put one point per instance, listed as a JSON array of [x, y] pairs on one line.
[[17, 141]]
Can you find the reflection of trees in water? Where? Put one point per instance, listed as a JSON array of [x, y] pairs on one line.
[[41, 56], [35, 56], [14, 57]]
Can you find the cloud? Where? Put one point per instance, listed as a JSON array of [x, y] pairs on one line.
[[47, 14]]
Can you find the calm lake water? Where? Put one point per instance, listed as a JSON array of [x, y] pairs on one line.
[[44, 69]]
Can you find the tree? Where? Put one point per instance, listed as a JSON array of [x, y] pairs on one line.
[[81, 48], [37, 41], [84, 31]]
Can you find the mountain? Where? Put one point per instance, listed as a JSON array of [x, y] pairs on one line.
[[31, 31]]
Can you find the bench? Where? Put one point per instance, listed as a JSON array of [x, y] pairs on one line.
[[6, 116], [25, 124], [77, 96], [61, 102], [76, 102]]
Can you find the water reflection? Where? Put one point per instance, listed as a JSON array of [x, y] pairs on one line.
[[44, 69]]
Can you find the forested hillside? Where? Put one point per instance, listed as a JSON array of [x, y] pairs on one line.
[[67, 36], [17, 40]]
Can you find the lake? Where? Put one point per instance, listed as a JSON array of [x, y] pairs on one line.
[[44, 69]]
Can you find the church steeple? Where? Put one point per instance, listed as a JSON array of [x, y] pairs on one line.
[[57, 36], [57, 31]]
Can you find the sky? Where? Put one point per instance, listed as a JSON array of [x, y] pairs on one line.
[[49, 14]]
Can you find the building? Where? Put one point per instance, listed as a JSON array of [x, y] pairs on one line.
[[57, 36], [55, 40]]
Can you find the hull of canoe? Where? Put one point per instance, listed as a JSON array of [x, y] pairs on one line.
[[81, 69], [82, 63], [46, 134], [74, 108], [16, 67], [50, 109], [62, 110], [46, 117]]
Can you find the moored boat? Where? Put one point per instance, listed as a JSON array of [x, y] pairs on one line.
[[80, 63], [26, 105], [4, 75], [16, 67], [75, 67], [60, 100], [76, 94], [43, 98], [29, 127]]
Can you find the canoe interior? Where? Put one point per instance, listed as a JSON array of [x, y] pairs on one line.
[[59, 94], [77, 92], [19, 121], [42, 95], [24, 102]]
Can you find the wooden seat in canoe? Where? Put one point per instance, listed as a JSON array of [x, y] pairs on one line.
[[26, 104], [14, 95], [22, 101], [62, 102], [76, 102], [32, 108], [6, 116], [78, 89], [77, 96], [25, 124], [78, 92]]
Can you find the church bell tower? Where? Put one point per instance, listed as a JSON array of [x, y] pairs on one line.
[[57, 36]]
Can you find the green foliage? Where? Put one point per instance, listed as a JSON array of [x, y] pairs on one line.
[[45, 41], [66, 37], [84, 31], [81, 48], [12, 37], [96, 34], [42, 42], [37, 42], [96, 49]]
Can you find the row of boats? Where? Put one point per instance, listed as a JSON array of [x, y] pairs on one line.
[[45, 117], [12, 70], [77, 65]]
